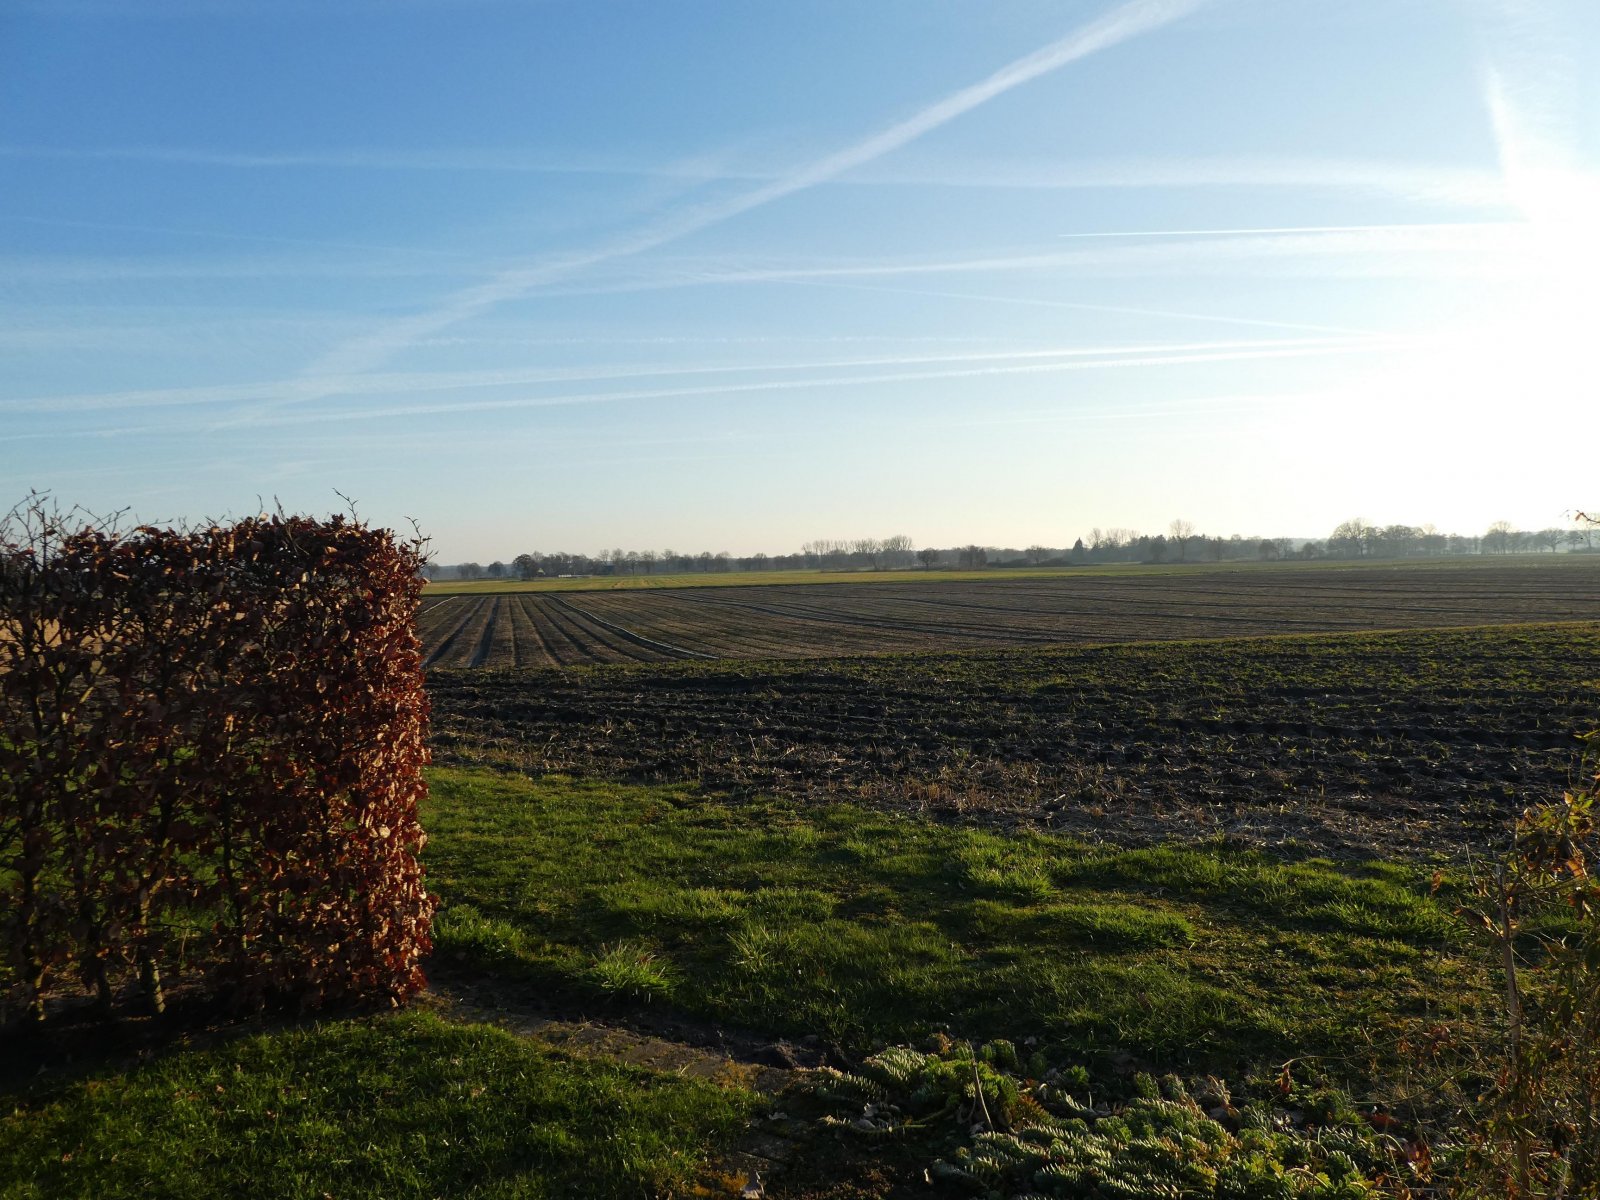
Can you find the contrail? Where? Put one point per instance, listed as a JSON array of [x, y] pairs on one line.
[[787, 385], [1127, 21], [1271, 230], [1121, 309], [977, 366], [1462, 187], [379, 383], [1165, 253], [1433, 183], [226, 236]]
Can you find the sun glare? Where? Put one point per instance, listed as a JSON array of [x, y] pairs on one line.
[[1541, 343]]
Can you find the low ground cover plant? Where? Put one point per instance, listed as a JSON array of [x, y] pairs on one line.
[[997, 1121]]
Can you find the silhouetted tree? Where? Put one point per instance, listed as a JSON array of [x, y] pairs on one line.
[[1351, 539]]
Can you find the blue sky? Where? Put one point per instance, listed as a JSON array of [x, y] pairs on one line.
[[573, 274]]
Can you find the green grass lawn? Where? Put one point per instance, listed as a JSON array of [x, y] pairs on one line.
[[865, 928], [399, 1106]]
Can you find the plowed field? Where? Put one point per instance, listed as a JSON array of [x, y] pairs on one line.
[[820, 620], [1411, 742]]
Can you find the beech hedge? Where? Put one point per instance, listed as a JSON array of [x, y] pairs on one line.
[[211, 752]]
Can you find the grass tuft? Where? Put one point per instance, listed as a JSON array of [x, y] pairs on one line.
[[632, 969]]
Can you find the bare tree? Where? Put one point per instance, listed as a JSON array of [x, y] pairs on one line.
[[1180, 531], [1498, 539], [1037, 554], [824, 553], [897, 550], [927, 557], [870, 549], [1352, 538]]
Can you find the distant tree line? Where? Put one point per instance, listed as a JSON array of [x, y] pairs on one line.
[[854, 554], [1181, 543]]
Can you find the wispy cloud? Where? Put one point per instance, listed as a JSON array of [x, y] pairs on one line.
[[400, 383], [1429, 183], [1268, 231], [228, 236], [356, 158], [1425, 183], [78, 269], [458, 408], [1168, 407], [1471, 248], [1122, 309], [180, 10], [1128, 20]]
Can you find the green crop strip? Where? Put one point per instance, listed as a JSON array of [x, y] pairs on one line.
[[699, 579]]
